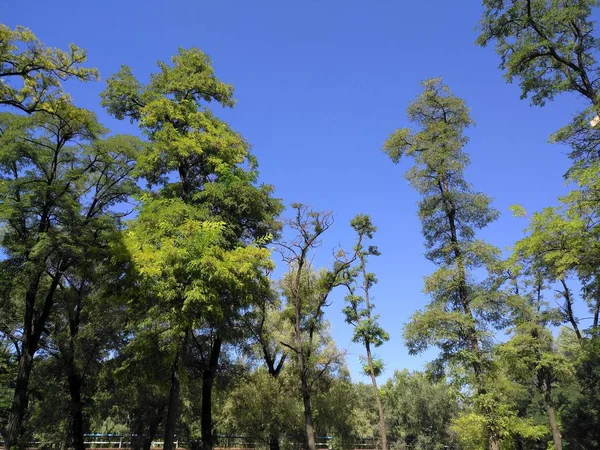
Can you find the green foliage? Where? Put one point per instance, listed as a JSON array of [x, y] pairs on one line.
[[340, 412], [518, 210], [48, 418], [548, 45], [212, 163], [358, 313], [450, 213], [419, 410], [7, 369], [129, 316], [550, 48], [261, 406], [462, 310], [562, 243], [582, 413], [31, 73]]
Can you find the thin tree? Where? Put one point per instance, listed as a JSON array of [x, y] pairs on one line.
[[307, 293], [359, 313]]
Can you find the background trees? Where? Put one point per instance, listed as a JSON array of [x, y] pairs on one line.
[[359, 313], [163, 317]]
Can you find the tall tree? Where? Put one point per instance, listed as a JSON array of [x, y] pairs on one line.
[[31, 73], [530, 355], [359, 313], [307, 292], [204, 174], [79, 339], [459, 313], [59, 188]]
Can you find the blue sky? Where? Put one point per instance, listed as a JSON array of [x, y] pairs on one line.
[[320, 84]]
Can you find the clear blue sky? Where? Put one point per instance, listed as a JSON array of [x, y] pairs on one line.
[[320, 84]]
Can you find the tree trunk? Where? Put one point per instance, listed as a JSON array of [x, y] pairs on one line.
[[74, 380], [382, 428], [33, 326], [549, 404], [19, 404], [208, 377], [494, 443], [138, 433], [206, 415], [76, 407], [308, 417], [147, 443], [569, 309], [274, 441], [173, 405]]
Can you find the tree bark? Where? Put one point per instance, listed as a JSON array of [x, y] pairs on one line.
[[596, 314], [20, 399], [137, 433], [173, 404], [549, 404], [569, 309], [147, 443], [308, 417], [76, 408], [494, 443], [74, 379], [33, 326], [208, 377], [274, 441], [304, 386], [382, 427]]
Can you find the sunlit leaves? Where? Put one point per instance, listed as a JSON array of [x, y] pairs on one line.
[[31, 73]]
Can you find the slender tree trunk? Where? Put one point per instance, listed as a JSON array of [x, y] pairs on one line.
[[596, 314], [33, 326], [569, 309], [274, 441], [138, 433], [382, 428], [147, 442], [494, 443], [208, 377], [173, 404], [206, 415], [20, 398], [549, 404], [463, 294], [305, 388], [76, 408], [74, 380], [308, 416], [19, 404]]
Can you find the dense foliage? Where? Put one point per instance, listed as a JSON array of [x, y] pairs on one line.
[[136, 288]]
